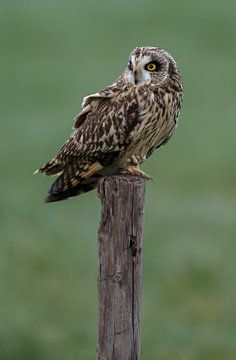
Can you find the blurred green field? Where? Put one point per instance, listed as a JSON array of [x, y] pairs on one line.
[[52, 54]]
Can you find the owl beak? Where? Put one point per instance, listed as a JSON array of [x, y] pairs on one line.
[[136, 77]]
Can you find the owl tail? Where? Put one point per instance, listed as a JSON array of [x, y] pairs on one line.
[[69, 184], [59, 192]]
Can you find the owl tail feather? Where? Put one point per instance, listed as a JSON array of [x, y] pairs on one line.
[[74, 191], [71, 183], [68, 184]]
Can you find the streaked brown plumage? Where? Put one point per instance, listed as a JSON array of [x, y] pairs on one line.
[[120, 126]]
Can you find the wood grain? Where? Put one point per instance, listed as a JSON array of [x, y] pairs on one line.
[[120, 267]]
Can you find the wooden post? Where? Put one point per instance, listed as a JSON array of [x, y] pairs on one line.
[[120, 267]]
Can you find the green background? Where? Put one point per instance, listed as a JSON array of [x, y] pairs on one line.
[[52, 54]]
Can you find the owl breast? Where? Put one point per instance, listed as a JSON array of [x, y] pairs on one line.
[[158, 114]]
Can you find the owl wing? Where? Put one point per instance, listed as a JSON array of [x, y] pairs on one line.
[[91, 102], [102, 131]]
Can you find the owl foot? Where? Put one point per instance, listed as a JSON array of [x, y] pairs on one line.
[[135, 171]]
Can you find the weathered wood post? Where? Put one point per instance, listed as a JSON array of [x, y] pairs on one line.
[[120, 267]]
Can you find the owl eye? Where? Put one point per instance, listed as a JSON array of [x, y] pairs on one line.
[[152, 66]]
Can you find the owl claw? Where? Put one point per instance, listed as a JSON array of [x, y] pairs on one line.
[[153, 180]]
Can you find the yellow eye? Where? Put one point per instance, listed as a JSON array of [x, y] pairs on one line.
[[151, 67]]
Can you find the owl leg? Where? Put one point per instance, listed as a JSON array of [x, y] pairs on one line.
[[134, 160], [136, 171], [132, 167]]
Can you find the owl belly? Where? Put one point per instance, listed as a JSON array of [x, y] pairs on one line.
[[155, 131]]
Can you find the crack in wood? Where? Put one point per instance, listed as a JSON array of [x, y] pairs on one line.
[[116, 333], [133, 244]]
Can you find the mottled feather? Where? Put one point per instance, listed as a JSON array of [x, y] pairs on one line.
[[120, 126]]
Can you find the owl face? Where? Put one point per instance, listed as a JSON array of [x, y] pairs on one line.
[[148, 64]]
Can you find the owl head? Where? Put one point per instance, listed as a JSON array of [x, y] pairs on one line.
[[150, 65]]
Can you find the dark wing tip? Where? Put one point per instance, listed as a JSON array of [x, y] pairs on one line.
[[54, 198], [77, 190]]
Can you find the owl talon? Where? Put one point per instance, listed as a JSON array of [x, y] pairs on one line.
[[153, 180]]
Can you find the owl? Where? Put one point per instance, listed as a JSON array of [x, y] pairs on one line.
[[120, 126]]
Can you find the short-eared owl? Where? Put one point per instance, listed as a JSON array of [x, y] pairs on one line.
[[119, 127]]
